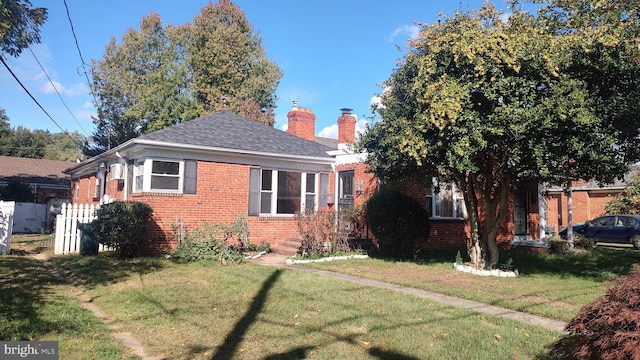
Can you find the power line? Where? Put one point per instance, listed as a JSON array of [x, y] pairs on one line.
[[75, 38], [57, 92], [34, 99], [29, 93]]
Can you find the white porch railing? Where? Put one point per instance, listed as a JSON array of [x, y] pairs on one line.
[[68, 232]]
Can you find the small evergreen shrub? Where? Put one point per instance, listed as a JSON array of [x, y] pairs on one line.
[[608, 328], [123, 225], [397, 221]]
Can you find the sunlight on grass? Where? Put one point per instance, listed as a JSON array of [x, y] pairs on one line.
[[551, 286], [193, 311], [34, 306]]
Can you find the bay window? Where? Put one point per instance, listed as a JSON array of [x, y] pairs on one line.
[[160, 175]]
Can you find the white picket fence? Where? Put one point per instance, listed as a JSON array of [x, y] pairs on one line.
[[68, 232]]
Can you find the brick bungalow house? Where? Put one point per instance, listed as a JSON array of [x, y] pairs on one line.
[[221, 165]]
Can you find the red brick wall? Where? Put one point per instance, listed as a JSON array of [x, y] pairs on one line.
[[83, 190], [586, 205], [222, 193]]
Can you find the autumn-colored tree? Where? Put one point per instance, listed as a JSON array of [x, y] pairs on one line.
[[230, 67], [141, 84], [158, 76], [485, 102]]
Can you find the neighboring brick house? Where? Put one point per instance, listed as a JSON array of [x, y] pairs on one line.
[[588, 201], [45, 177]]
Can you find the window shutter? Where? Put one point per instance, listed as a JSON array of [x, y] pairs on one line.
[[254, 192], [190, 176], [324, 190]]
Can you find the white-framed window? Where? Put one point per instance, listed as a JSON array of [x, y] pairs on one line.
[[281, 192], [158, 175], [445, 201]]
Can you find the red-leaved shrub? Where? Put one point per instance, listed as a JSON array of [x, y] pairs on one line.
[[608, 328]]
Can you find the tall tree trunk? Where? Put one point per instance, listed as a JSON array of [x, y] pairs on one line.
[[474, 247]]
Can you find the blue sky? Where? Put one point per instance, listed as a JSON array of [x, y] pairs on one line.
[[333, 53]]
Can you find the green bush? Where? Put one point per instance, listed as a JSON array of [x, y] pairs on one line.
[[123, 225], [207, 243], [397, 221]]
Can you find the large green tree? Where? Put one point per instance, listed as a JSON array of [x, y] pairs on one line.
[[141, 84], [158, 75], [230, 66], [487, 103], [19, 25]]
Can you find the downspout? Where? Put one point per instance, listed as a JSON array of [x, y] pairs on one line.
[[542, 212]]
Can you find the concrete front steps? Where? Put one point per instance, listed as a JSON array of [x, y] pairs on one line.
[[288, 246]]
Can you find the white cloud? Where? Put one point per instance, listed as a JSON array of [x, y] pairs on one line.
[[330, 132], [49, 87], [87, 105], [505, 17], [285, 126], [411, 31], [84, 114]]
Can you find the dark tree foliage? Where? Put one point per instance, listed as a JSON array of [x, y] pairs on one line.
[[397, 222], [123, 225], [19, 25]]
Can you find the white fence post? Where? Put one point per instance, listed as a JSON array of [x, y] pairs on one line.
[[6, 225], [67, 229]]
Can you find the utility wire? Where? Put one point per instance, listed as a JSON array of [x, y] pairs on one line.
[[36, 101], [57, 92], [73, 32], [29, 93]]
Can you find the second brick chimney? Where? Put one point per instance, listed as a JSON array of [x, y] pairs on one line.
[[346, 127], [302, 122]]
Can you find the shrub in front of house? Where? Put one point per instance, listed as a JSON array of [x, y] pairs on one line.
[[608, 328], [209, 243], [318, 234], [397, 221], [123, 226]]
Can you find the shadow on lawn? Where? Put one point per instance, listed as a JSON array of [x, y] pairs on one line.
[[103, 269], [27, 288], [233, 340]]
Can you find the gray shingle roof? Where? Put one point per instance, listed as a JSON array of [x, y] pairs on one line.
[[224, 129]]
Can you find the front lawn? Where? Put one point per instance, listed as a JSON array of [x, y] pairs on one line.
[[248, 311], [552, 286], [35, 306]]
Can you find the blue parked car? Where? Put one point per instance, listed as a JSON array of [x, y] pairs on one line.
[[614, 230]]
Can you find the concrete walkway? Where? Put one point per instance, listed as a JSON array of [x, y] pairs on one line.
[[555, 325]]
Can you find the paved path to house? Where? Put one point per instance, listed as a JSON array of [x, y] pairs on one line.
[[125, 338], [555, 325]]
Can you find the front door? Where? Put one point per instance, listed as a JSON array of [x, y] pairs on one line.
[[520, 214]]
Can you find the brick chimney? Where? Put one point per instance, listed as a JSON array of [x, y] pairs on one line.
[[302, 122], [346, 127]]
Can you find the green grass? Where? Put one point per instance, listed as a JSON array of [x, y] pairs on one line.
[[35, 306], [552, 286], [196, 311]]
